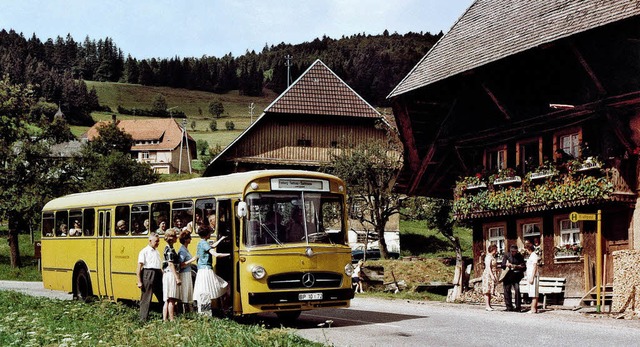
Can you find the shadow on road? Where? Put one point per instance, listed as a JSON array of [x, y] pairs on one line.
[[334, 318]]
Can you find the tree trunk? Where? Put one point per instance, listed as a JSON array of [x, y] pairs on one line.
[[456, 292], [382, 242], [14, 226]]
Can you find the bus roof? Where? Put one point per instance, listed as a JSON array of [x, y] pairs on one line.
[[187, 189]]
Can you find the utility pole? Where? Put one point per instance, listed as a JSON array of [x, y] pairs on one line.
[[251, 107], [288, 58], [184, 140]]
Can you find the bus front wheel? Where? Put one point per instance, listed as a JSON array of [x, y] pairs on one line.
[[288, 316], [82, 287]]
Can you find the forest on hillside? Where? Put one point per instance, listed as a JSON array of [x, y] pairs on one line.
[[57, 68]]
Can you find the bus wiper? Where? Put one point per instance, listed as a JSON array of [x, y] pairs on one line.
[[271, 233]]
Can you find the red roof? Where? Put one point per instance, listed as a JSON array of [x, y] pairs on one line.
[[162, 134], [319, 91]]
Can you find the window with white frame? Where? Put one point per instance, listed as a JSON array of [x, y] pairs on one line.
[[570, 144], [145, 155], [531, 231], [496, 159], [569, 233], [495, 236]]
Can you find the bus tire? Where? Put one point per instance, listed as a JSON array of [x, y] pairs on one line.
[[82, 286], [288, 316]]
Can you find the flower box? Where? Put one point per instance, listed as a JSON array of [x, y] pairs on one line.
[[476, 186], [507, 180], [542, 174], [589, 165]]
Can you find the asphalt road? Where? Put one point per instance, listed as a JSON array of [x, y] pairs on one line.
[[379, 322]]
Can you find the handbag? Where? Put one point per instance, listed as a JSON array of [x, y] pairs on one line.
[[504, 274]]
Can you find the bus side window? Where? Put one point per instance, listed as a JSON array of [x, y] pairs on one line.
[[62, 226], [75, 223], [89, 217], [48, 224], [122, 220], [207, 207], [160, 217], [182, 214], [140, 219]]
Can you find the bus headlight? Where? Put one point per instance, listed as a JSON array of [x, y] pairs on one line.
[[348, 269], [258, 272]]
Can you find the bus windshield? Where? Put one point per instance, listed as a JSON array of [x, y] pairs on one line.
[[294, 217]]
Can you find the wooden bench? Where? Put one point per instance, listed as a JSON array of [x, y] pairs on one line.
[[546, 286]]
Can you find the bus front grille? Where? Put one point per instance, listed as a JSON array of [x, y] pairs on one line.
[[302, 280]]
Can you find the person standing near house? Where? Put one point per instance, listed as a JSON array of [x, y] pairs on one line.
[[489, 277], [532, 275], [515, 262], [149, 275]]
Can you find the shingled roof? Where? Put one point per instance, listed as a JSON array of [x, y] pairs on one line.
[[319, 91], [161, 134], [494, 29]]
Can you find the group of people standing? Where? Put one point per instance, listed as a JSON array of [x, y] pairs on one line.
[[169, 277], [518, 269]]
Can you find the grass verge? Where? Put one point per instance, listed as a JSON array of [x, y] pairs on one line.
[[29, 270], [32, 321]]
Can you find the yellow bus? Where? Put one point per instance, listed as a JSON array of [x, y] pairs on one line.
[[286, 233]]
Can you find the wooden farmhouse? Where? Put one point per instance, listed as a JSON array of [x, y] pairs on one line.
[[527, 111], [300, 129], [161, 143]]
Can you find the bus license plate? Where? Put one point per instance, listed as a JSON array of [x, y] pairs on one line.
[[309, 296]]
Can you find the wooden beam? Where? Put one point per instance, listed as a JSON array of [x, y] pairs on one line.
[[587, 68], [406, 132], [497, 102], [618, 129], [464, 166], [426, 161]]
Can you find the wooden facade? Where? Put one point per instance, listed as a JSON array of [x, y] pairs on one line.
[[316, 116], [523, 113]]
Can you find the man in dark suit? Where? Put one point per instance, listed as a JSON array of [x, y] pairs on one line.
[[514, 261]]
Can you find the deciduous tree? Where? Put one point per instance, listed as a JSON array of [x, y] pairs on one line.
[[370, 170]]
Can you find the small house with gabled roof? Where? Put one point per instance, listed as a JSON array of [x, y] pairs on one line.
[[525, 113], [162, 143], [300, 129]]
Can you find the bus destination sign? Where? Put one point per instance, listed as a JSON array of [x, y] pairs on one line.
[[299, 184]]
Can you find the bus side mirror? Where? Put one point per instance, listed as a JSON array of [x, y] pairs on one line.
[[242, 209]]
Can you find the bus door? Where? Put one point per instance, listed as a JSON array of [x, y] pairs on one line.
[[224, 266], [103, 253]]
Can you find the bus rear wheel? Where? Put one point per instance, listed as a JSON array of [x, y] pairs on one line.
[[82, 287], [288, 316]]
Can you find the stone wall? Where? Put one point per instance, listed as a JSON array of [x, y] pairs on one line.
[[626, 282]]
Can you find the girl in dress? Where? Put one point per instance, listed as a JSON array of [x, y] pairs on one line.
[[170, 279], [208, 286], [186, 292], [489, 277]]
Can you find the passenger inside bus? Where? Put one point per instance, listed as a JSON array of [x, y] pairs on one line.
[[162, 227], [295, 228], [76, 230], [177, 225], [121, 227], [146, 227], [198, 222], [63, 230], [273, 228]]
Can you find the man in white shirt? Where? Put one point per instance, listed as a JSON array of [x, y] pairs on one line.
[[149, 274]]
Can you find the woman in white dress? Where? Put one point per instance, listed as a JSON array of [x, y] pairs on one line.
[[532, 275], [186, 292], [489, 277], [208, 286]]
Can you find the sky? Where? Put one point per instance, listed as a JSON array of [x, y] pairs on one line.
[[195, 28]]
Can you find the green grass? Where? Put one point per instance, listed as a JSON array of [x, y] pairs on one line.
[[32, 321], [417, 240], [29, 270], [191, 102]]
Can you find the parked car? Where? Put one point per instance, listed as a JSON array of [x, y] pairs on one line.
[[372, 253]]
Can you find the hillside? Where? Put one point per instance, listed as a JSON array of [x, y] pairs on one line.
[[192, 102]]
